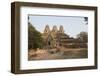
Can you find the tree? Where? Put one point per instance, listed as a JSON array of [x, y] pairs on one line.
[[86, 20], [34, 37], [83, 36]]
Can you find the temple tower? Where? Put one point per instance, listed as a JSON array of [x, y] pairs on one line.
[[47, 29], [54, 30], [61, 30]]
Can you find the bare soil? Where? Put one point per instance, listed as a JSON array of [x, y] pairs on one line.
[[63, 53]]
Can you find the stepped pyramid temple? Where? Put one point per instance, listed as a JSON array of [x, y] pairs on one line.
[[57, 38]]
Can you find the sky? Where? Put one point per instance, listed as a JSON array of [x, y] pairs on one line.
[[72, 25]]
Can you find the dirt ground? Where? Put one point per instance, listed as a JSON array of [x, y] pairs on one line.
[[50, 54]]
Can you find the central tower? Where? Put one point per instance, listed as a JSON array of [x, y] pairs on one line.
[[54, 30]]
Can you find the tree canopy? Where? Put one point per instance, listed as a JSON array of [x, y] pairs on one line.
[[34, 37], [83, 36]]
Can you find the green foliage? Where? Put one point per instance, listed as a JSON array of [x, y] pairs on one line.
[[34, 37], [86, 20], [83, 36]]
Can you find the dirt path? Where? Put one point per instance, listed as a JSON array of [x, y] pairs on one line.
[[65, 54]]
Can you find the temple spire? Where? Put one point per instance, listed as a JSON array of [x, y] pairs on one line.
[[47, 29], [54, 29], [61, 30]]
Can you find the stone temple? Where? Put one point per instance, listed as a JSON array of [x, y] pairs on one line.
[[53, 38], [58, 38]]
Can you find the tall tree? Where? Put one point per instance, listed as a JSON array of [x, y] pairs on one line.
[[83, 36], [34, 37], [86, 20]]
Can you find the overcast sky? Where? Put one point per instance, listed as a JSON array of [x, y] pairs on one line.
[[72, 25]]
